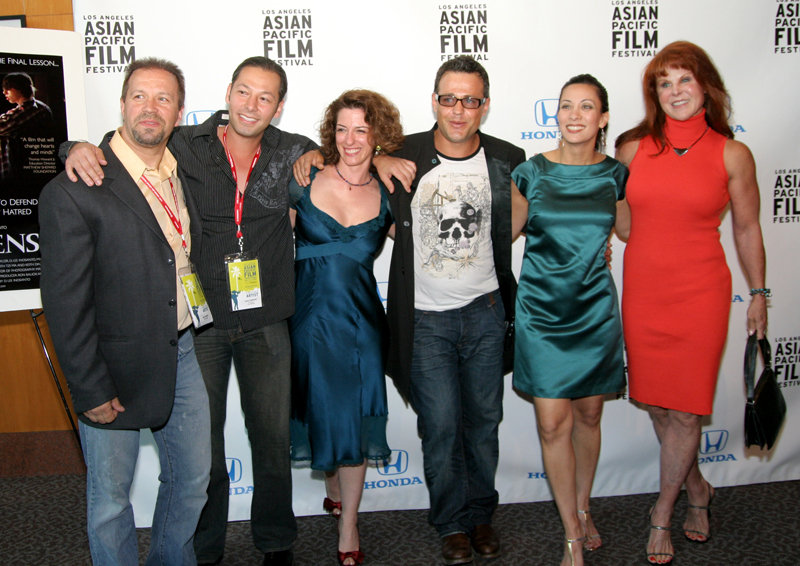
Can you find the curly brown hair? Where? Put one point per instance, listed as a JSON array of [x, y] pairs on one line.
[[681, 55], [381, 115]]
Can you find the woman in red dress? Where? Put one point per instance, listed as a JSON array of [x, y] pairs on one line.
[[685, 168]]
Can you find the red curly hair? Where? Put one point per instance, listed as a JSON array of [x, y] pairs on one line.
[[681, 55], [381, 115]]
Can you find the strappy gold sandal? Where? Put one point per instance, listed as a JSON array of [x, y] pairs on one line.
[[589, 545], [652, 556], [707, 509], [569, 543]]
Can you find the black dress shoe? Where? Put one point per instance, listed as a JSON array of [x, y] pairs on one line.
[[279, 558], [485, 541], [456, 550]]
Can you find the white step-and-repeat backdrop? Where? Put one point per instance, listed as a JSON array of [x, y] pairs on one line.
[[529, 47]]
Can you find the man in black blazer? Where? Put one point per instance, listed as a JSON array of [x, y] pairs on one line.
[[239, 150], [450, 300], [112, 293]]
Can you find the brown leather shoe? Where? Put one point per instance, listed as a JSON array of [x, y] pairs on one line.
[[485, 541], [456, 550]]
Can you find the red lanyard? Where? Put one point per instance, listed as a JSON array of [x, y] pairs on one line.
[[238, 199], [176, 221]]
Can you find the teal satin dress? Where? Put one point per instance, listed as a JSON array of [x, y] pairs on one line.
[[339, 338], [568, 329]]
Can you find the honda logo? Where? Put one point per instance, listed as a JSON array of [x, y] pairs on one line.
[[396, 465], [545, 111], [713, 441], [234, 469]]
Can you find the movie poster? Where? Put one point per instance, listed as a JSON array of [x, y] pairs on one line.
[[33, 122]]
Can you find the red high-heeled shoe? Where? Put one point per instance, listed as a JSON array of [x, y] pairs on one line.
[[356, 555], [332, 507]]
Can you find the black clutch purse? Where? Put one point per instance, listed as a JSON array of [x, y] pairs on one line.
[[765, 409]]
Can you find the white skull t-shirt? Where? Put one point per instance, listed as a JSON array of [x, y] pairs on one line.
[[452, 220]]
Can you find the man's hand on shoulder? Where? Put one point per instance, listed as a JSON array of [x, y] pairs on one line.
[[401, 169], [105, 413], [302, 167], [86, 160]]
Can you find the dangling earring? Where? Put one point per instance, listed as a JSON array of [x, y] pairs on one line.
[[602, 141]]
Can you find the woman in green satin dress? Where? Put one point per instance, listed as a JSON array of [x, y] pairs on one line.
[[569, 336]]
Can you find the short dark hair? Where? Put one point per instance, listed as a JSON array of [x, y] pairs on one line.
[[602, 94], [381, 115], [463, 64], [21, 82], [156, 63], [266, 64]]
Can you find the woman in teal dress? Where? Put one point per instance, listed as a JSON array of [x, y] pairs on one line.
[[568, 333], [338, 331]]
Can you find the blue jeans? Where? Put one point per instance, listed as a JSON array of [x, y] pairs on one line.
[[262, 358], [457, 393], [184, 453]]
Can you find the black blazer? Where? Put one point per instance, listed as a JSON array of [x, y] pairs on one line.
[[109, 294], [501, 159]]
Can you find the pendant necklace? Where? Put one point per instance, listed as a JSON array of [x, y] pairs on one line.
[[349, 184], [684, 150]]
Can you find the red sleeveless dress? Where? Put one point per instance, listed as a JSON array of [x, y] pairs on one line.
[[676, 294]]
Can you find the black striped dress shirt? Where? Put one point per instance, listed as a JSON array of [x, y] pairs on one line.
[[265, 220]]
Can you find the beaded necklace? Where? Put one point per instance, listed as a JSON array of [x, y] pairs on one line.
[[350, 185]]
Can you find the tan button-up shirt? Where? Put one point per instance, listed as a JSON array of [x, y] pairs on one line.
[[165, 181]]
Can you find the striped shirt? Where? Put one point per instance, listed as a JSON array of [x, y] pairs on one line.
[[265, 221]]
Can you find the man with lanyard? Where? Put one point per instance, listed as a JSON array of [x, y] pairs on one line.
[[238, 167], [113, 267]]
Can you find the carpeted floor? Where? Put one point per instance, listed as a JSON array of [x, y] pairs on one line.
[[42, 523]]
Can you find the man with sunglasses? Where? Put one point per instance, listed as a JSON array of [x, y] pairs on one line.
[[451, 296]]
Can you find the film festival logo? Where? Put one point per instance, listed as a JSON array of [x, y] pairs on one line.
[[109, 42], [634, 28], [288, 36], [787, 27], [785, 191], [786, 360], [463, 31], [623, 395]]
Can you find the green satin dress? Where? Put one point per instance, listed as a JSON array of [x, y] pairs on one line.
[[568, 329]]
